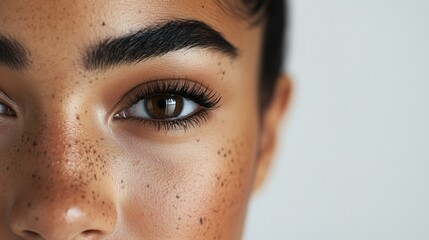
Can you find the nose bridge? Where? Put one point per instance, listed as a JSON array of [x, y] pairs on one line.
[[67, 191], [57, 147], [60, 136]]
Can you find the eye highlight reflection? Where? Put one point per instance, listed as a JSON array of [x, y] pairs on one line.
[[169, 104], [161, 107]]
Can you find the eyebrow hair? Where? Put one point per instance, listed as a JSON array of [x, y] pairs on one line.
[[12, 54], [156, 41]]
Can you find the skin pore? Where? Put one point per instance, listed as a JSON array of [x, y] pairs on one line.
[[78, 161]]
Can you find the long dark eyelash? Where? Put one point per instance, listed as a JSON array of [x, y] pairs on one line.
[[193, 120], [196, 92], [193, 91]]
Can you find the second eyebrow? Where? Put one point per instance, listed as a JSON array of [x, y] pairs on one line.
[[155, 41]]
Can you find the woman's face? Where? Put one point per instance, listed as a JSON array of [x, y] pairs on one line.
[[126, 119]]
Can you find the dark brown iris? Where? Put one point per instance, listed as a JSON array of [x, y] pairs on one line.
[[164, 106]]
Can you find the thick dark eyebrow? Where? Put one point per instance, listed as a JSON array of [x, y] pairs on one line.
[[12, 54], [155, 41]]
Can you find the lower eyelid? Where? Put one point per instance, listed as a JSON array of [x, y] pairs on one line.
[[185, 124]]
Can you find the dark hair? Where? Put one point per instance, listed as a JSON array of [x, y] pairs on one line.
[[274, 13]]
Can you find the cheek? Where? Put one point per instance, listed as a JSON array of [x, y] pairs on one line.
[[197, 191]]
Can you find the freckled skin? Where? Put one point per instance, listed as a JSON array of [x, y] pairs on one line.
[[68, 170]]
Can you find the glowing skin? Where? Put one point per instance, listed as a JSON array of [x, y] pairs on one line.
[[70, 170]]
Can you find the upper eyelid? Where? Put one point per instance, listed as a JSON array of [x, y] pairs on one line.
[[171, 85]]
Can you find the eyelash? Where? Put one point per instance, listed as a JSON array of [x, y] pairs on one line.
[[196, 92]]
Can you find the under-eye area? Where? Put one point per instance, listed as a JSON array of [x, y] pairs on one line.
[[168, 104]]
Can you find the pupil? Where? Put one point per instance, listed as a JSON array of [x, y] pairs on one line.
[[162, 103]]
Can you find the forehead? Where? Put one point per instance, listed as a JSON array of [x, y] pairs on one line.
[[67, 12], [61, 24]]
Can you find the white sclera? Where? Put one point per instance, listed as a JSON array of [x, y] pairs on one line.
[[139, 110]]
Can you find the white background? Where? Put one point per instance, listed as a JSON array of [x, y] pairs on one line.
[[353, 160]]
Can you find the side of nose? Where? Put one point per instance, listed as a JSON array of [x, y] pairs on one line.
[[65, 192], [37, 217]]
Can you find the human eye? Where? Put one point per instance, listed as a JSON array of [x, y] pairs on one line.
[[5, 110], [169, 104]]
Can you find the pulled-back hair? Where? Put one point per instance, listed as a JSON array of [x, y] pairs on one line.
[[273, 12]]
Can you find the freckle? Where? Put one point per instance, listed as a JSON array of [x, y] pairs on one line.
[[201, 220], [36, 218], [29, 204], [77, 117], [103, 24], [147, 186], [177, 196], [7, 168]]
